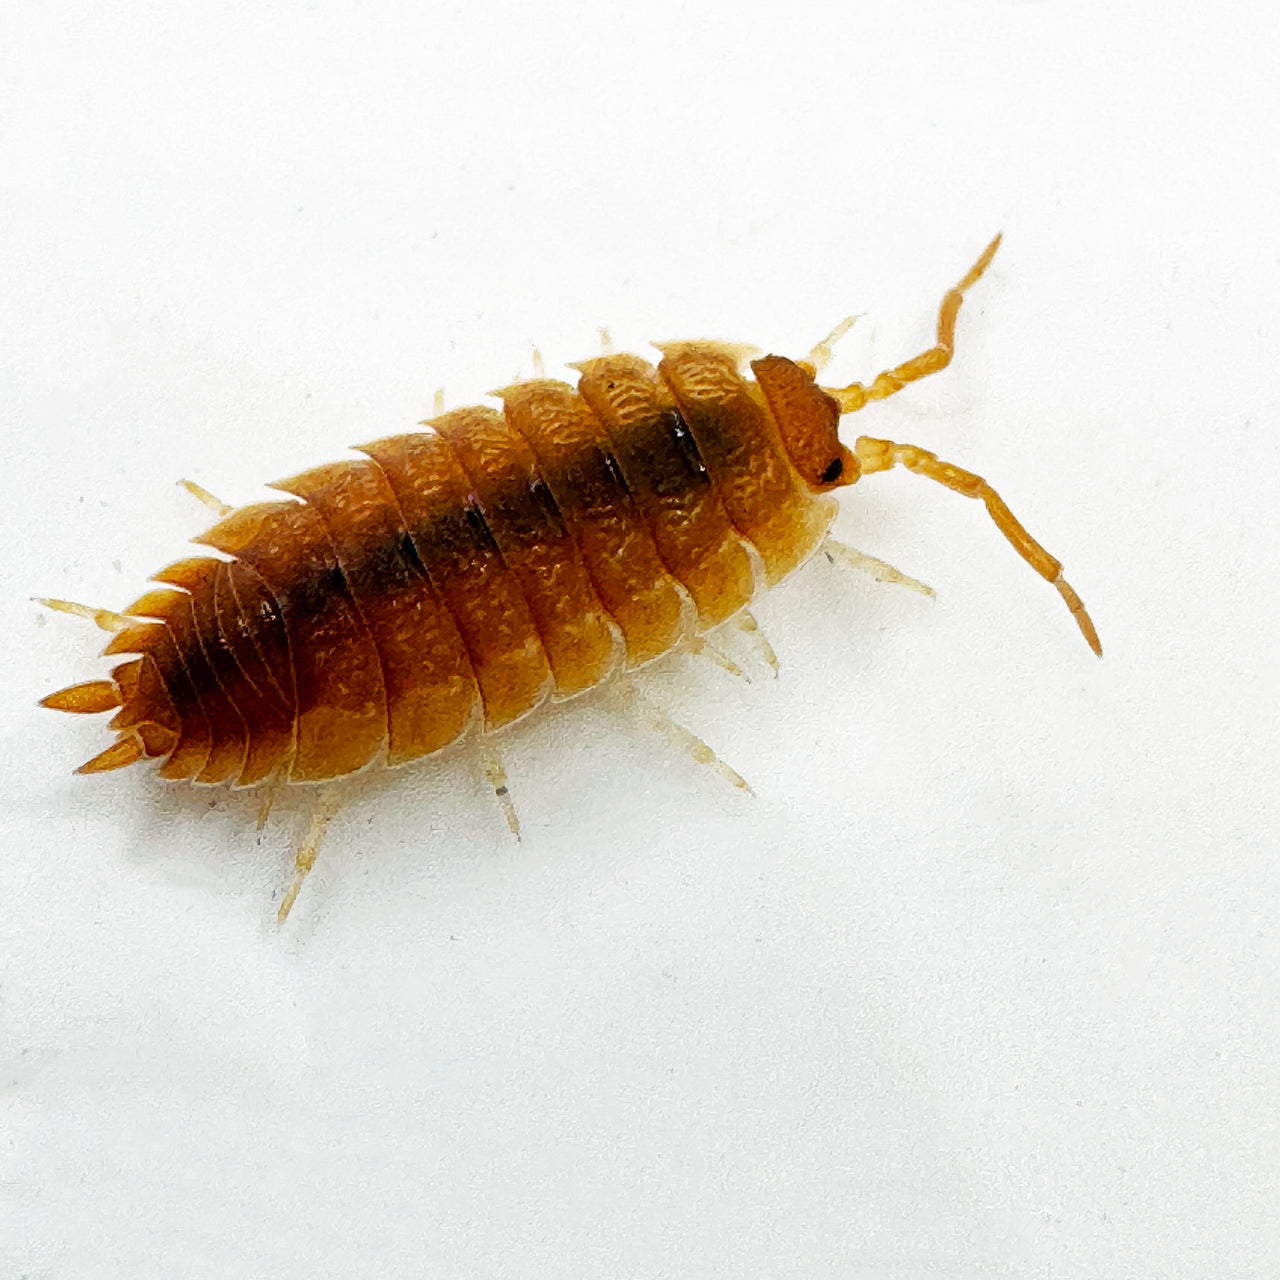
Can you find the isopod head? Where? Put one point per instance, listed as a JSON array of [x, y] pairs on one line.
[[808, 419]]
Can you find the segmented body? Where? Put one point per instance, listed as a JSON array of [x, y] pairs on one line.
[[465, 574], [462, 576]]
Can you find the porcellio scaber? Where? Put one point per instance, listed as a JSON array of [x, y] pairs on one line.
[[462, 576]]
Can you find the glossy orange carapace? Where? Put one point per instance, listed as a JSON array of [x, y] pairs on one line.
[[465, 574]]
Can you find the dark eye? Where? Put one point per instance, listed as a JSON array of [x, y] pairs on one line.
[[834, 470]]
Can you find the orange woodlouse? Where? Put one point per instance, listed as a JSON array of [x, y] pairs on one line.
[[465, 574]]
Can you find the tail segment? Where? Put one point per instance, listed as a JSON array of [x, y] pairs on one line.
[[85, 699], [124, 751], [145, 721]]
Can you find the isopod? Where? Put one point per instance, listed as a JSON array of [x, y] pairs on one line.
[[460, 577]]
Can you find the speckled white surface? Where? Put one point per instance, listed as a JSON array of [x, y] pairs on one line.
[[984, 980]]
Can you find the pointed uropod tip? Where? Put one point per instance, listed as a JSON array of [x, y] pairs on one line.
[[84, 699], [126, 751]]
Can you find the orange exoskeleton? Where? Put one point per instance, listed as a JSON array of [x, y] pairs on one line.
[[461, 576]]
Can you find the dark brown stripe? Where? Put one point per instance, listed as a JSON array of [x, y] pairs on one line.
[[575, 456], [249, 619], [652, 460], [440, 510], [341, 701], [426, 671], [535, 544]]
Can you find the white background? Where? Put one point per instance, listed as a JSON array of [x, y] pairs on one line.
[[984, 980]]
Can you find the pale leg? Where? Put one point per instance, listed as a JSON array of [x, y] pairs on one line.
[[496, 776], [201, 494], [744, 620], [705, 649], [878, 569], [640, 708], [820, 356], [106, 619], [326, 809]]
